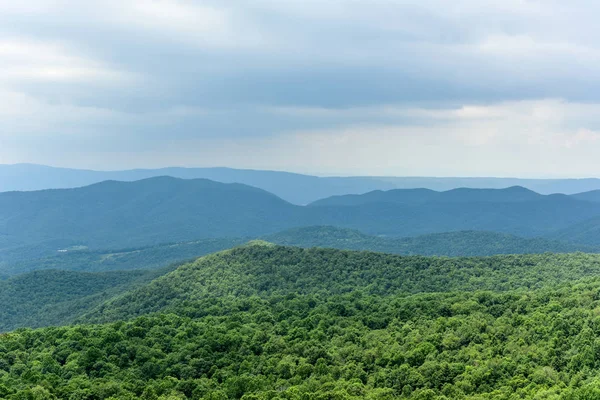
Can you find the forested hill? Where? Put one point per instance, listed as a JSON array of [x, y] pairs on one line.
[[268, 322], [151, 211], [56, 297], [164, 210], [263, 269], [586, 232]]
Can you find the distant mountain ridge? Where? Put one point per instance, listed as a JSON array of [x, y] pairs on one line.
[[165, 210], [295, 188], [415, 196]]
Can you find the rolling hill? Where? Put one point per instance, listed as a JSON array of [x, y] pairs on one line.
[[586, 232], [146, 212], [593, 195], [166, 210], [264, 269], [55, 297], [264, 321]]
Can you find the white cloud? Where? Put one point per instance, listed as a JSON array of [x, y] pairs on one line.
[[193, 23], [33, 60]]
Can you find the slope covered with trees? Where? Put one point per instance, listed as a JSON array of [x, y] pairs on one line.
[[152, 211], [55, 297], [586, 232], [268, 322], [263, 269]]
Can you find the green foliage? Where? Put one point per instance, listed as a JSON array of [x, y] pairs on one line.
[[479, 345], [54, 297], [267, 270], [271, 322]]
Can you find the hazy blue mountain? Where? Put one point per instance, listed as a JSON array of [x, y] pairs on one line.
[[159, 210], [542, 186], [295, 188], [151, 211], [593, 195], [415, 196]]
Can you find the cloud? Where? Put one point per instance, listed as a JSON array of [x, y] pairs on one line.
[[431, 87], [28, 60]]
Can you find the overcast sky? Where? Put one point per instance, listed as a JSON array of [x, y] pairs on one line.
[[353, 87]]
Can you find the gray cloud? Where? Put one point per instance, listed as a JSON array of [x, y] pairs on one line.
[[139, 83]]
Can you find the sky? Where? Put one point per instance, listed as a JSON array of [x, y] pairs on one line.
[[336, 87]]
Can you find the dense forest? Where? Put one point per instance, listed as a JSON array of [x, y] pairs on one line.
[[56, 297], [271, 322], [53, 297]]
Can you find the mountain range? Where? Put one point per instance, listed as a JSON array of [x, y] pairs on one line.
[[295, 188], [161, 210]]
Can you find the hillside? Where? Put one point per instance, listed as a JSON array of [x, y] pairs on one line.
[[265, 321], [53, 297], [266, 269], [166, 210], [141, 213], [593, 195], [586, 232]]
